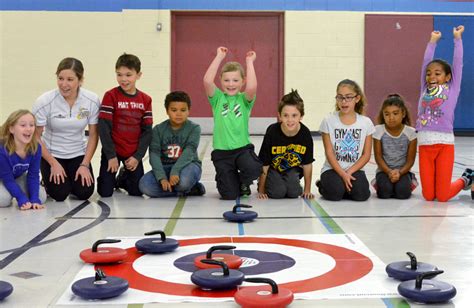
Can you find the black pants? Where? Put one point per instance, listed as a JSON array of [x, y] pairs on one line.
[[332, 186], [233, 168], [283, 185], [398, 190], [60, 192], [107, 181]]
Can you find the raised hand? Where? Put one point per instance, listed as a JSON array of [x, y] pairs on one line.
[[251, 55], [457, 32], [222, 52], [435, 36]]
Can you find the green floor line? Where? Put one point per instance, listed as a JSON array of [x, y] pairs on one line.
[[396, 303], [324, 217], [171, 224]]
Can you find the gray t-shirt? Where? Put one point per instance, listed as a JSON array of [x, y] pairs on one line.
[[64, 126], [394, 148], [347, 140]]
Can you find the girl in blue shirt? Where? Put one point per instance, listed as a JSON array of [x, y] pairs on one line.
[[20, 156]]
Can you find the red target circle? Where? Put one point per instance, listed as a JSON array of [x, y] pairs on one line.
[[350, 266]]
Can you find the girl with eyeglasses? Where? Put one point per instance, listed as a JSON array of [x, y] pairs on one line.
[[394, 150], [347, 139], [440, 88]]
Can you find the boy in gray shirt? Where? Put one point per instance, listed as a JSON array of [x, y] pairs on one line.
[[176, 168]]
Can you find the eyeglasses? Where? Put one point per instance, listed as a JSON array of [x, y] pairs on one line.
[[348, 99]]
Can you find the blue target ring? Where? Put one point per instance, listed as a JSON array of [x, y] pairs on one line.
[[256, 262]]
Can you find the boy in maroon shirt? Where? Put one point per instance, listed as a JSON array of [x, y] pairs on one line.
[[125, 123]]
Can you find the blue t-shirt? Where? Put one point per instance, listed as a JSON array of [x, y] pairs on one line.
[[12, 166]]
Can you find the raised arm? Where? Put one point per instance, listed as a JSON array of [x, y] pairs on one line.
[[251, 86], [457, 57], [428, 56], [209, 85]]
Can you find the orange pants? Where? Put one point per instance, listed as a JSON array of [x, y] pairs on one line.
[[436, 169]]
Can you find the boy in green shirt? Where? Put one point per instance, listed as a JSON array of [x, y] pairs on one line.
[[176, 168], [235, 161]]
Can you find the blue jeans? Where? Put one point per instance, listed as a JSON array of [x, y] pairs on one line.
[[188, 177]]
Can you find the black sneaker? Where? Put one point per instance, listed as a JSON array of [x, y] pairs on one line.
[[318, 185], [245, 190], [468, 176], [197, 190]]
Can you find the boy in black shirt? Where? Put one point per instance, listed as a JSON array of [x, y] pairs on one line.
[[287, 153]]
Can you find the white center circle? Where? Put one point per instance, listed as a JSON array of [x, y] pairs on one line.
[[308, 263], [247, 262]]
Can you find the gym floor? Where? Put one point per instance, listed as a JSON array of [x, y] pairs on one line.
[[39, 250]]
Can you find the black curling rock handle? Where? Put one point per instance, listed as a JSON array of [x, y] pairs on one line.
[[99, 274], [218, 247], [106, 241], [426, 275], [269, 281], [161, 233], [224, 266], [413, 262], [234, 209]]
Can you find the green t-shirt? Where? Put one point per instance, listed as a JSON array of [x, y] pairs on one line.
[[231, 120]]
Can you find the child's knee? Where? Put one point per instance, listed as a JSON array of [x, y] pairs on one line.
[[227, 195], [403, 195], [185, 184], [277, 193], [5, 201], [294, 193], [361, 196], [442, 198], [384, 193], [428, 196]]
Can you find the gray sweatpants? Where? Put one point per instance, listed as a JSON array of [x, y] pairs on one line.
[[6, 198]]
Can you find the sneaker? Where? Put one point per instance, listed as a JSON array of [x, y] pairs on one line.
[[197, 190], [245, 190], [374, 184], [467, 176], [119, 182], [318, 185], [414, 182]]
